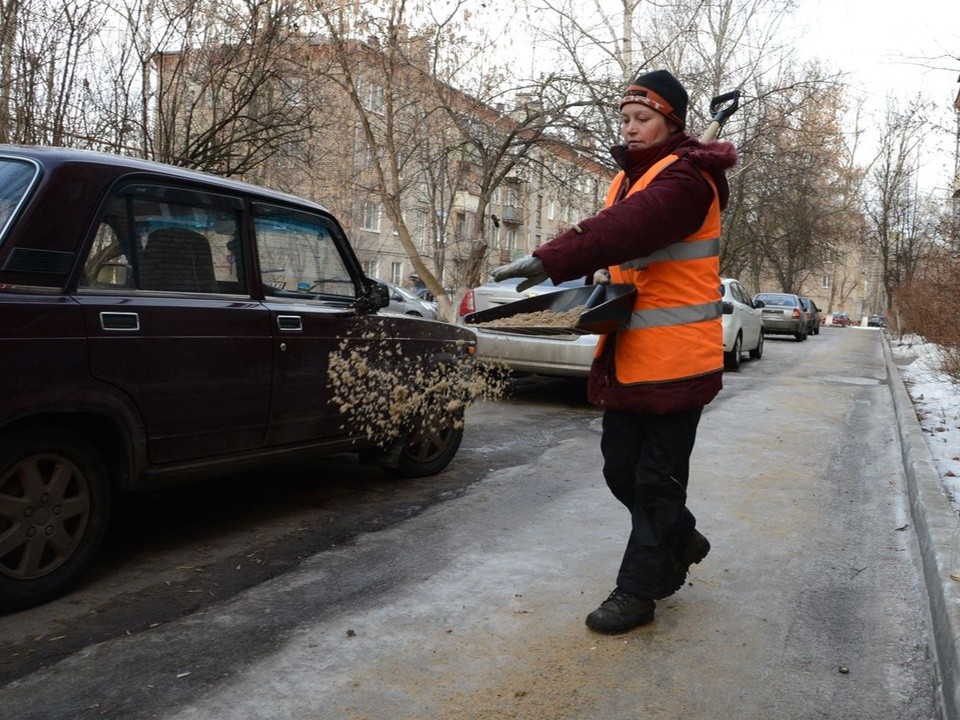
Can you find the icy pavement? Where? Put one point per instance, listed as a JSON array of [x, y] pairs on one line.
[[936, 398]]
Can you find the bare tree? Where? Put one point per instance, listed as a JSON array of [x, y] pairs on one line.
[[46, 51], [228, 88], [801, 191], [900, 232], [430, 144], [792, 188]]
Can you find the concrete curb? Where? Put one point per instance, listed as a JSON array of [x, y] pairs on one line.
[[936, 527]]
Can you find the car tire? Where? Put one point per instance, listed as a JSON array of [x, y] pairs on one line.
[[428, 451], [57, 487], [757, 352], [731, 360], [800, 336]]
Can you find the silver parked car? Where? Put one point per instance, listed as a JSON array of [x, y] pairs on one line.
[[783, 314], [742, 324], [406, 303], [554, 355]]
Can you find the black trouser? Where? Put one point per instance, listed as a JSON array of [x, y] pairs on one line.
[[646, 463]]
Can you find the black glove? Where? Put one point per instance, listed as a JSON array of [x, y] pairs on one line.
[[527, 267]]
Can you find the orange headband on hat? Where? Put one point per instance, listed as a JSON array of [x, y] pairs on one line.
[[646, 96]]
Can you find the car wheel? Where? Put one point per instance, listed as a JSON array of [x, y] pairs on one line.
[[757, 352], [731, 360], [800, 336], [54, 507], [428, 451]]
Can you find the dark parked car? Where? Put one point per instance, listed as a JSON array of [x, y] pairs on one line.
[[783, 314], [812, 314], [879, 321], [161, 325]]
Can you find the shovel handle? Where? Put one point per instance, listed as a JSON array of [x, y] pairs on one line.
[[597, 296], [721, 108]]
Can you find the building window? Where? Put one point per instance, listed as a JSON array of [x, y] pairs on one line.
[[373, 98], [371, 217], [551, 210], [422, 230], [539, 211], [396, 272], [494, 237], [826, 281], [371, 269], [511, 239]]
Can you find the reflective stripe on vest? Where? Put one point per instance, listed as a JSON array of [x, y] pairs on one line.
[[675, 330], [687, 250], [660, 317]]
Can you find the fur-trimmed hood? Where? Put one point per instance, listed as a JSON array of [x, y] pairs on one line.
[[715, 158]]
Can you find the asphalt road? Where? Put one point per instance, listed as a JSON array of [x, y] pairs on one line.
[[327, 591]]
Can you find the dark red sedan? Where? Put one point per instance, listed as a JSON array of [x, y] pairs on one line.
[[159, 325]]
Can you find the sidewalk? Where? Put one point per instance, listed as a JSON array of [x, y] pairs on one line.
[[936, 529]]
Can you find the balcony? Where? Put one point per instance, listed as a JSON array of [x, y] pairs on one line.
[[511, 214]]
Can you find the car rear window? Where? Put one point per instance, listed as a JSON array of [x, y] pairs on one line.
[[775, 299], [16, 177]]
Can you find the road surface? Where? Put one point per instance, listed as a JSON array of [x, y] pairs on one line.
[[468, 601]]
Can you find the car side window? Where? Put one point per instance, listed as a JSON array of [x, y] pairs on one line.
[[299, 257], [739, 293], [156, 238]]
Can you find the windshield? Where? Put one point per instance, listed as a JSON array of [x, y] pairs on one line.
[[406, 294], [15, 179], [774, 299]]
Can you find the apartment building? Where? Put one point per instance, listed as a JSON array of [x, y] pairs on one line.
[[476, 184]]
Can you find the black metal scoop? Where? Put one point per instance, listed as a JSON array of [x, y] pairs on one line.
[[605, 309]]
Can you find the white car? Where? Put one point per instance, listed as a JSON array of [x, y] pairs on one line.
[[742, 324], [564, 355], [405, 302]]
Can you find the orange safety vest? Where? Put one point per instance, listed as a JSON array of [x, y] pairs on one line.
[[675, 330]]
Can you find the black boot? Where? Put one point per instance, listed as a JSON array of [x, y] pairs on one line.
[[692, 551], [620, 612]]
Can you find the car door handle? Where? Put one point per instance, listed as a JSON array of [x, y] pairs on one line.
[[290, 323], [126, 321]]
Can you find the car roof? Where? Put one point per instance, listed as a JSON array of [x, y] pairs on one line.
[[51, 158]]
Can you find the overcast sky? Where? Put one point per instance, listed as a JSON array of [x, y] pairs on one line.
[[884, 47]]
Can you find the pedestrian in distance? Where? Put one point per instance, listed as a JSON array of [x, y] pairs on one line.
[[659, 230]]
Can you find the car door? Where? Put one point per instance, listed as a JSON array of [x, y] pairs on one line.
[[752, 317], [310, 294], [170, 322]]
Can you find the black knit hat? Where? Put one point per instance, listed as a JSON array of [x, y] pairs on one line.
[[660, 91]]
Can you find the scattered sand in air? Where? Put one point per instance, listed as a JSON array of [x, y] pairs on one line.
[[382, 391]]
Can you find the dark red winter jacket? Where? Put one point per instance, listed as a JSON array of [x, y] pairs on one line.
[[672, 207]]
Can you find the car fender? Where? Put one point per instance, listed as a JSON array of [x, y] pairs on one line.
[[76, 407]]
